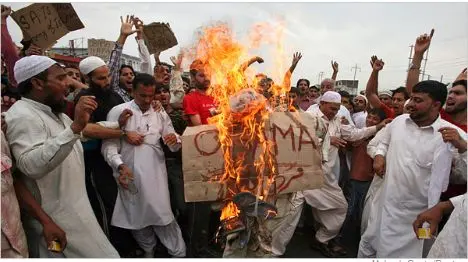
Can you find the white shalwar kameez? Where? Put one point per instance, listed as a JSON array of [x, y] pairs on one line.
[[51, 158], [149, 208], [371, 209], [329, 206], [418, 166], [451, 241], [359, 119]]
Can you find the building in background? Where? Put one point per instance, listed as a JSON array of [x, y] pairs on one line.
[[79, 53], [350, 86]]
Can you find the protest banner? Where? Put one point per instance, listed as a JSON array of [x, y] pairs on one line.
[[158, 37], [101, 48], [45, 23], [297, 154]]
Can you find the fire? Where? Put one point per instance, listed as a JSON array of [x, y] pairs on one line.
[[229, 211], [248, 154]]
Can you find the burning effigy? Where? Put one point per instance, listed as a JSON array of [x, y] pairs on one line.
[[253, 150]]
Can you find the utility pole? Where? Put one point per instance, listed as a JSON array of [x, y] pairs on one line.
[[355, 68], [441, 77], [410, 58], [425, 62], [320, 76]]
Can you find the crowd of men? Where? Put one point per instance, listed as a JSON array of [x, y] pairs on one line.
[[92, 163]]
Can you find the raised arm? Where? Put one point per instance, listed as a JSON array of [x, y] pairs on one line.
[[373, 82], [420, 47], [248, 63], [176, 85], [114, 60], [335, 69], [287, 77], [8, 47], [143, 51]]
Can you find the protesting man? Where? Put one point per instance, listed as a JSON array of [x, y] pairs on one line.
[[44, 142], [416, 162], [143, 203]]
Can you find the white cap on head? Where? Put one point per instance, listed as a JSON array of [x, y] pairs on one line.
[[331, 97], [30, 66], [385, 93], [365, 98], [91, 63]]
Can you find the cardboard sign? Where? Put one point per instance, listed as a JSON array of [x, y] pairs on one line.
[[158, 37], [297, 153], [100, 48], [45, 23]]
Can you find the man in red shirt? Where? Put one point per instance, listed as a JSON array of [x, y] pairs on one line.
[[399, 95], [455, 108], [199, 106]]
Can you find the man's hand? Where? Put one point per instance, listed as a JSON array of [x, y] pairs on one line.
[[124, 116], [139, 27], [432, 216], [334, 65], [6, 11], [423, 42], [52, 232], [462, 75], [259, 60], [170, 139], [452, 136], [135, 139], [126, 27], [83, 110], [344, 121], [377, 64], [125, 176], [157, 106], [177, 61], [296, 58], [383, 123], [33, 50], [338, 142], [379, 165]]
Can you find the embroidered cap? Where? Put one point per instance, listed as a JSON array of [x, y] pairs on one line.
[[91, 63], [30, 66], [331, 97]]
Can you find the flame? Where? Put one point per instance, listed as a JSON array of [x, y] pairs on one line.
[[229, 211], [246, 150]]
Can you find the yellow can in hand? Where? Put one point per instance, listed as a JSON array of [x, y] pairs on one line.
[[54, 246], [424, 233]]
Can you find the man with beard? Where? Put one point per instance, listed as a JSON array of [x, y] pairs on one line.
[[416, 160], [100, 184], [305, 101], [385, 97], [359, 111], [455, 109], [44, 142], [399, 95], [126, 75]]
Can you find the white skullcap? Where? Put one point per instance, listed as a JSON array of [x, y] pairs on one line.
[[30, 66], [91, 63], [365, 98], [385, 93], [331, 97]]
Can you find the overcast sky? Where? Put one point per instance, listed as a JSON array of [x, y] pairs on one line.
[[347, 32]]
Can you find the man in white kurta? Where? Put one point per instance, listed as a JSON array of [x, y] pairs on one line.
[[49, 153], [328, 203], [145, 208], [418, 165]]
